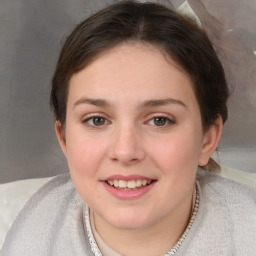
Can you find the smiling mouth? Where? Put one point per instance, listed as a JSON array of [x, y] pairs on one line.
[[129, 185]]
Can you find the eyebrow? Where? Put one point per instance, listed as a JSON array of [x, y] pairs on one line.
[[95, 102], [162, 102], [145, 104]]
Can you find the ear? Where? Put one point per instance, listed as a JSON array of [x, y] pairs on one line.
[[210, 141], [61, 138]]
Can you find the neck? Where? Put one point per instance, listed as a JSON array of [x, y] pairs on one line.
[[152, 240]]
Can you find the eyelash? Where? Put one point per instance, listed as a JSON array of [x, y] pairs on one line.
[[92, 119], [165, 121]]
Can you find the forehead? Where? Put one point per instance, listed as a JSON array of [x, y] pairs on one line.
[[131, 70]]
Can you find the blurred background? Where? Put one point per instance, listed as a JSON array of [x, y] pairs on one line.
[[31, 35]]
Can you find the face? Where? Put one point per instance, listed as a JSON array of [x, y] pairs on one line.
[[133, 137]]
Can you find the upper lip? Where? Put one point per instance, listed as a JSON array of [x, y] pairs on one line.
[[127, 177]]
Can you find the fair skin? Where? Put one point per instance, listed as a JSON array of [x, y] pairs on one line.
[[131, 116]]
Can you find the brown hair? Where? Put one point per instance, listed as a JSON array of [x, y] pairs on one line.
[[129, 22]]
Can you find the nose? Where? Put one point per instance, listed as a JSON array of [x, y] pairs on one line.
[[127, 147]]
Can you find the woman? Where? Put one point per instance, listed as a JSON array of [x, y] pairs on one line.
[[139, 98]]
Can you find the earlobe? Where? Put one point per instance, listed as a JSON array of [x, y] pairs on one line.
[[60, 136], [210, 141]]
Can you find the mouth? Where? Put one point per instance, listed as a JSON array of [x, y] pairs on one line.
[[130, 187], [130, 184]]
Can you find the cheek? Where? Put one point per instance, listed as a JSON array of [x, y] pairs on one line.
[[84, 160], [177, 154], [84, 156]]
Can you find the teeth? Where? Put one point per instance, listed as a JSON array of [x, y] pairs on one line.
[[131, 184], [122, 184], [138, 183], [116, 183], [144, 183]]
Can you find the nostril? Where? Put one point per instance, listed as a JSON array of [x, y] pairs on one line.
[[126, 152], [133, 160]]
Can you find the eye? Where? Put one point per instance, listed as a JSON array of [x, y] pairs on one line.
[[161, 121], [96, 121]]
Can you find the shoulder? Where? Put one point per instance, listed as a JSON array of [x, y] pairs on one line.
[[56, 190], [233, 192], [51, 216], [50, 196], [228, 210]]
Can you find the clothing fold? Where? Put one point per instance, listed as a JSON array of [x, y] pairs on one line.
[[52, 222]]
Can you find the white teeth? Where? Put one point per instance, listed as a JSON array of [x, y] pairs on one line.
[[144, 183], [138, 183], [131, 184], [122, 184], [116, 183]]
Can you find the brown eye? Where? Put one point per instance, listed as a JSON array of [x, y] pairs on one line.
[[95, 121], [160, 121]]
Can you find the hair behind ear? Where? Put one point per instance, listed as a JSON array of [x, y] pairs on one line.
[[212, 166]]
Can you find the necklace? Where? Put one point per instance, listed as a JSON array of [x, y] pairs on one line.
[[96, 251]]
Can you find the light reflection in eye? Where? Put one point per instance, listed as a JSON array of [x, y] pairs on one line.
[[95, 121], [161, 121]]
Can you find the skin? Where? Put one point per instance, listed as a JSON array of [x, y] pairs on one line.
[[131, 84]]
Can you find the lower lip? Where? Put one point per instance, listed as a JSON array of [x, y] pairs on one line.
[[128, 194]]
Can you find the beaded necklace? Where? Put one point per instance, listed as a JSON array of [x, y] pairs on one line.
[[96, 251]]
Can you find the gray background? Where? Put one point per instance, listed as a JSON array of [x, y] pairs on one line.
[[31, 32]]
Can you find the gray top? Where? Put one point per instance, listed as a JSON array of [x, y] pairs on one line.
[[52, 222]]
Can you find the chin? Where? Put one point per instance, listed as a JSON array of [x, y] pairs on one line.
[[128, 220]]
